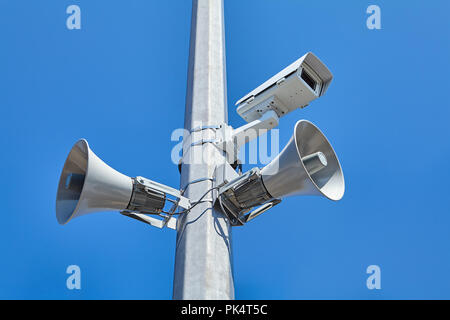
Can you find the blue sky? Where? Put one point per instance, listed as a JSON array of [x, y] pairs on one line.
[[120, 82]]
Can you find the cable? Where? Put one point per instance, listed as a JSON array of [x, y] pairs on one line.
[[198, 201], [183, 190]]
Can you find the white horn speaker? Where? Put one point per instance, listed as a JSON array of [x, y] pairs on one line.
[[87, 185], [307, 165]]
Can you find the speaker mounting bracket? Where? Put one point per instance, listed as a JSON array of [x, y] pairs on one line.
[[238, 196], [166, 218], [166, 221]]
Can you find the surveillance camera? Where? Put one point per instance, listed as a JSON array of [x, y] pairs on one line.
[[294, 87]]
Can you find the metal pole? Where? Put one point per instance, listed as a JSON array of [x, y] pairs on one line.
[[203, 261]]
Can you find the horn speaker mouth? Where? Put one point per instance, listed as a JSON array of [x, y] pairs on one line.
[[329, 180], [71, 182], [307, 165]]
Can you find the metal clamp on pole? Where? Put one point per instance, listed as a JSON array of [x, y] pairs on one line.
[[201, 128], [214, 140]]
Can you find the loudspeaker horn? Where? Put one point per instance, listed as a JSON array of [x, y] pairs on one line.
[[87, 185], [307, 165]]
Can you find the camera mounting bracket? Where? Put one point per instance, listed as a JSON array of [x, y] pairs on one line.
[[231, 140]]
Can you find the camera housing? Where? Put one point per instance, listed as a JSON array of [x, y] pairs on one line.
[[294, 87]]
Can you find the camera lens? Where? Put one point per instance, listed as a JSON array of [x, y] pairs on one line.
[[309, 80]]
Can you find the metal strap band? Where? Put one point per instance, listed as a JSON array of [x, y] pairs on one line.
[[200, 128]]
